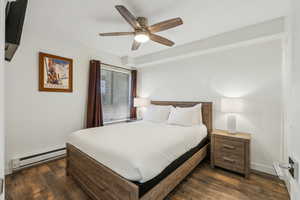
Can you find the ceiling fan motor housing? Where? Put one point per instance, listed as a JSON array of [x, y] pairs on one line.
[[143, 21]]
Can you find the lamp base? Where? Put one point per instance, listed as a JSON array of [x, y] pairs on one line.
[[231, 124], [233, 132]]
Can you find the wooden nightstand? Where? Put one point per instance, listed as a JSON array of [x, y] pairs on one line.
[[231, 151]]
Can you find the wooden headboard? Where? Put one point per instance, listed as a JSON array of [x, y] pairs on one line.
[[206, 110]]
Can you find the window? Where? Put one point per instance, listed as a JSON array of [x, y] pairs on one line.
[[115, 93]]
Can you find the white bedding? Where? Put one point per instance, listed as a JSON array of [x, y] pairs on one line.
[[138, 151]]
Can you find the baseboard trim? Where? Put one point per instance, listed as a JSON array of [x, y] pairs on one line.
[[8, 169], [267, 175], [263, 168]]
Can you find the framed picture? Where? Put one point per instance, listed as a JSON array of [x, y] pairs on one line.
[[55, 74]]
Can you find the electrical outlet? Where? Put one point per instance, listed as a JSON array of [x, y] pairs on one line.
[[294, 168]]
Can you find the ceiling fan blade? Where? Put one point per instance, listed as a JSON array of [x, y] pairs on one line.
[[116, 34], [171, 23], [135, 45], [161, 40], [130, 18]]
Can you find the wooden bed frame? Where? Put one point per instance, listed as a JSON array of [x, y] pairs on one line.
[[101, 183]]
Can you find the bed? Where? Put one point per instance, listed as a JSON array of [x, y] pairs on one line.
[[144, 174]]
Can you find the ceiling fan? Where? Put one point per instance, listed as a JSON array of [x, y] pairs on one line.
[[142, 32]]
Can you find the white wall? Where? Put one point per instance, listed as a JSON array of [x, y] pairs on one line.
[[40, 121], [293, 93], [252, 73]]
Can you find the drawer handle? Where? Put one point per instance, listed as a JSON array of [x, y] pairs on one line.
[[228, 160], [226, 146]]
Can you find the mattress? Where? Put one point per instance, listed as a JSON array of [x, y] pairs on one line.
[[145, 187], [138, 151]]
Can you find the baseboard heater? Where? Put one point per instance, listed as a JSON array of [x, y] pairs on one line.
[[36, 159]]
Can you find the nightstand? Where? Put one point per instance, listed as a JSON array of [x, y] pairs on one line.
[[231, 151]]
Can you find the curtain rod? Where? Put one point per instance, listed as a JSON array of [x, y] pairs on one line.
[[116, 66]]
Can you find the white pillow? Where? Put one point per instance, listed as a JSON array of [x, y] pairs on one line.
[[198, 114], [186, 116], [157, 113]]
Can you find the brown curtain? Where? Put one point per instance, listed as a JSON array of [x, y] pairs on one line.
[[94, 110], [133, 93]]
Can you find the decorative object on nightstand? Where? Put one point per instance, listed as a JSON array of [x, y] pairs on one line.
[[231, 106], [231, 151], [139, 103]]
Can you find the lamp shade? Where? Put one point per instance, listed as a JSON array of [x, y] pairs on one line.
[[231, 105], [141, 102]]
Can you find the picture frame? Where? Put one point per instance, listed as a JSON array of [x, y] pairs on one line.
[[55, 73]]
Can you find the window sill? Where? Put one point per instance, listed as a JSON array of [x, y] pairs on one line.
[[121, 121], [115, 122]]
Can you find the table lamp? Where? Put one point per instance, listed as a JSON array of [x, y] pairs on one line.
[[140, 102], [231, 106]]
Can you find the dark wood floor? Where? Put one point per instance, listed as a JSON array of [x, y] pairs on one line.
[[49, 181]]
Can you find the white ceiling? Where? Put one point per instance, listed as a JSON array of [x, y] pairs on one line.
[[82, 20]]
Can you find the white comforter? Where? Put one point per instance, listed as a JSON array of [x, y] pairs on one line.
[[137, 151]]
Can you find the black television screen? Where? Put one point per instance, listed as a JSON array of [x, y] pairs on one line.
[[15, 15]]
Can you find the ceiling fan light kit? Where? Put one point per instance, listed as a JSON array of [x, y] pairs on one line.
[[141, 37], [142, 32]]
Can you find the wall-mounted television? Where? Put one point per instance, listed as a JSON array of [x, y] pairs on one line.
[[15, 15]]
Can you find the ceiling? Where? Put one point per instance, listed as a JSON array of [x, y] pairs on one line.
[[82, 20]]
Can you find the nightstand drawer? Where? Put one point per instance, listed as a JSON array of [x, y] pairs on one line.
[[230, 146], [230, 161]]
